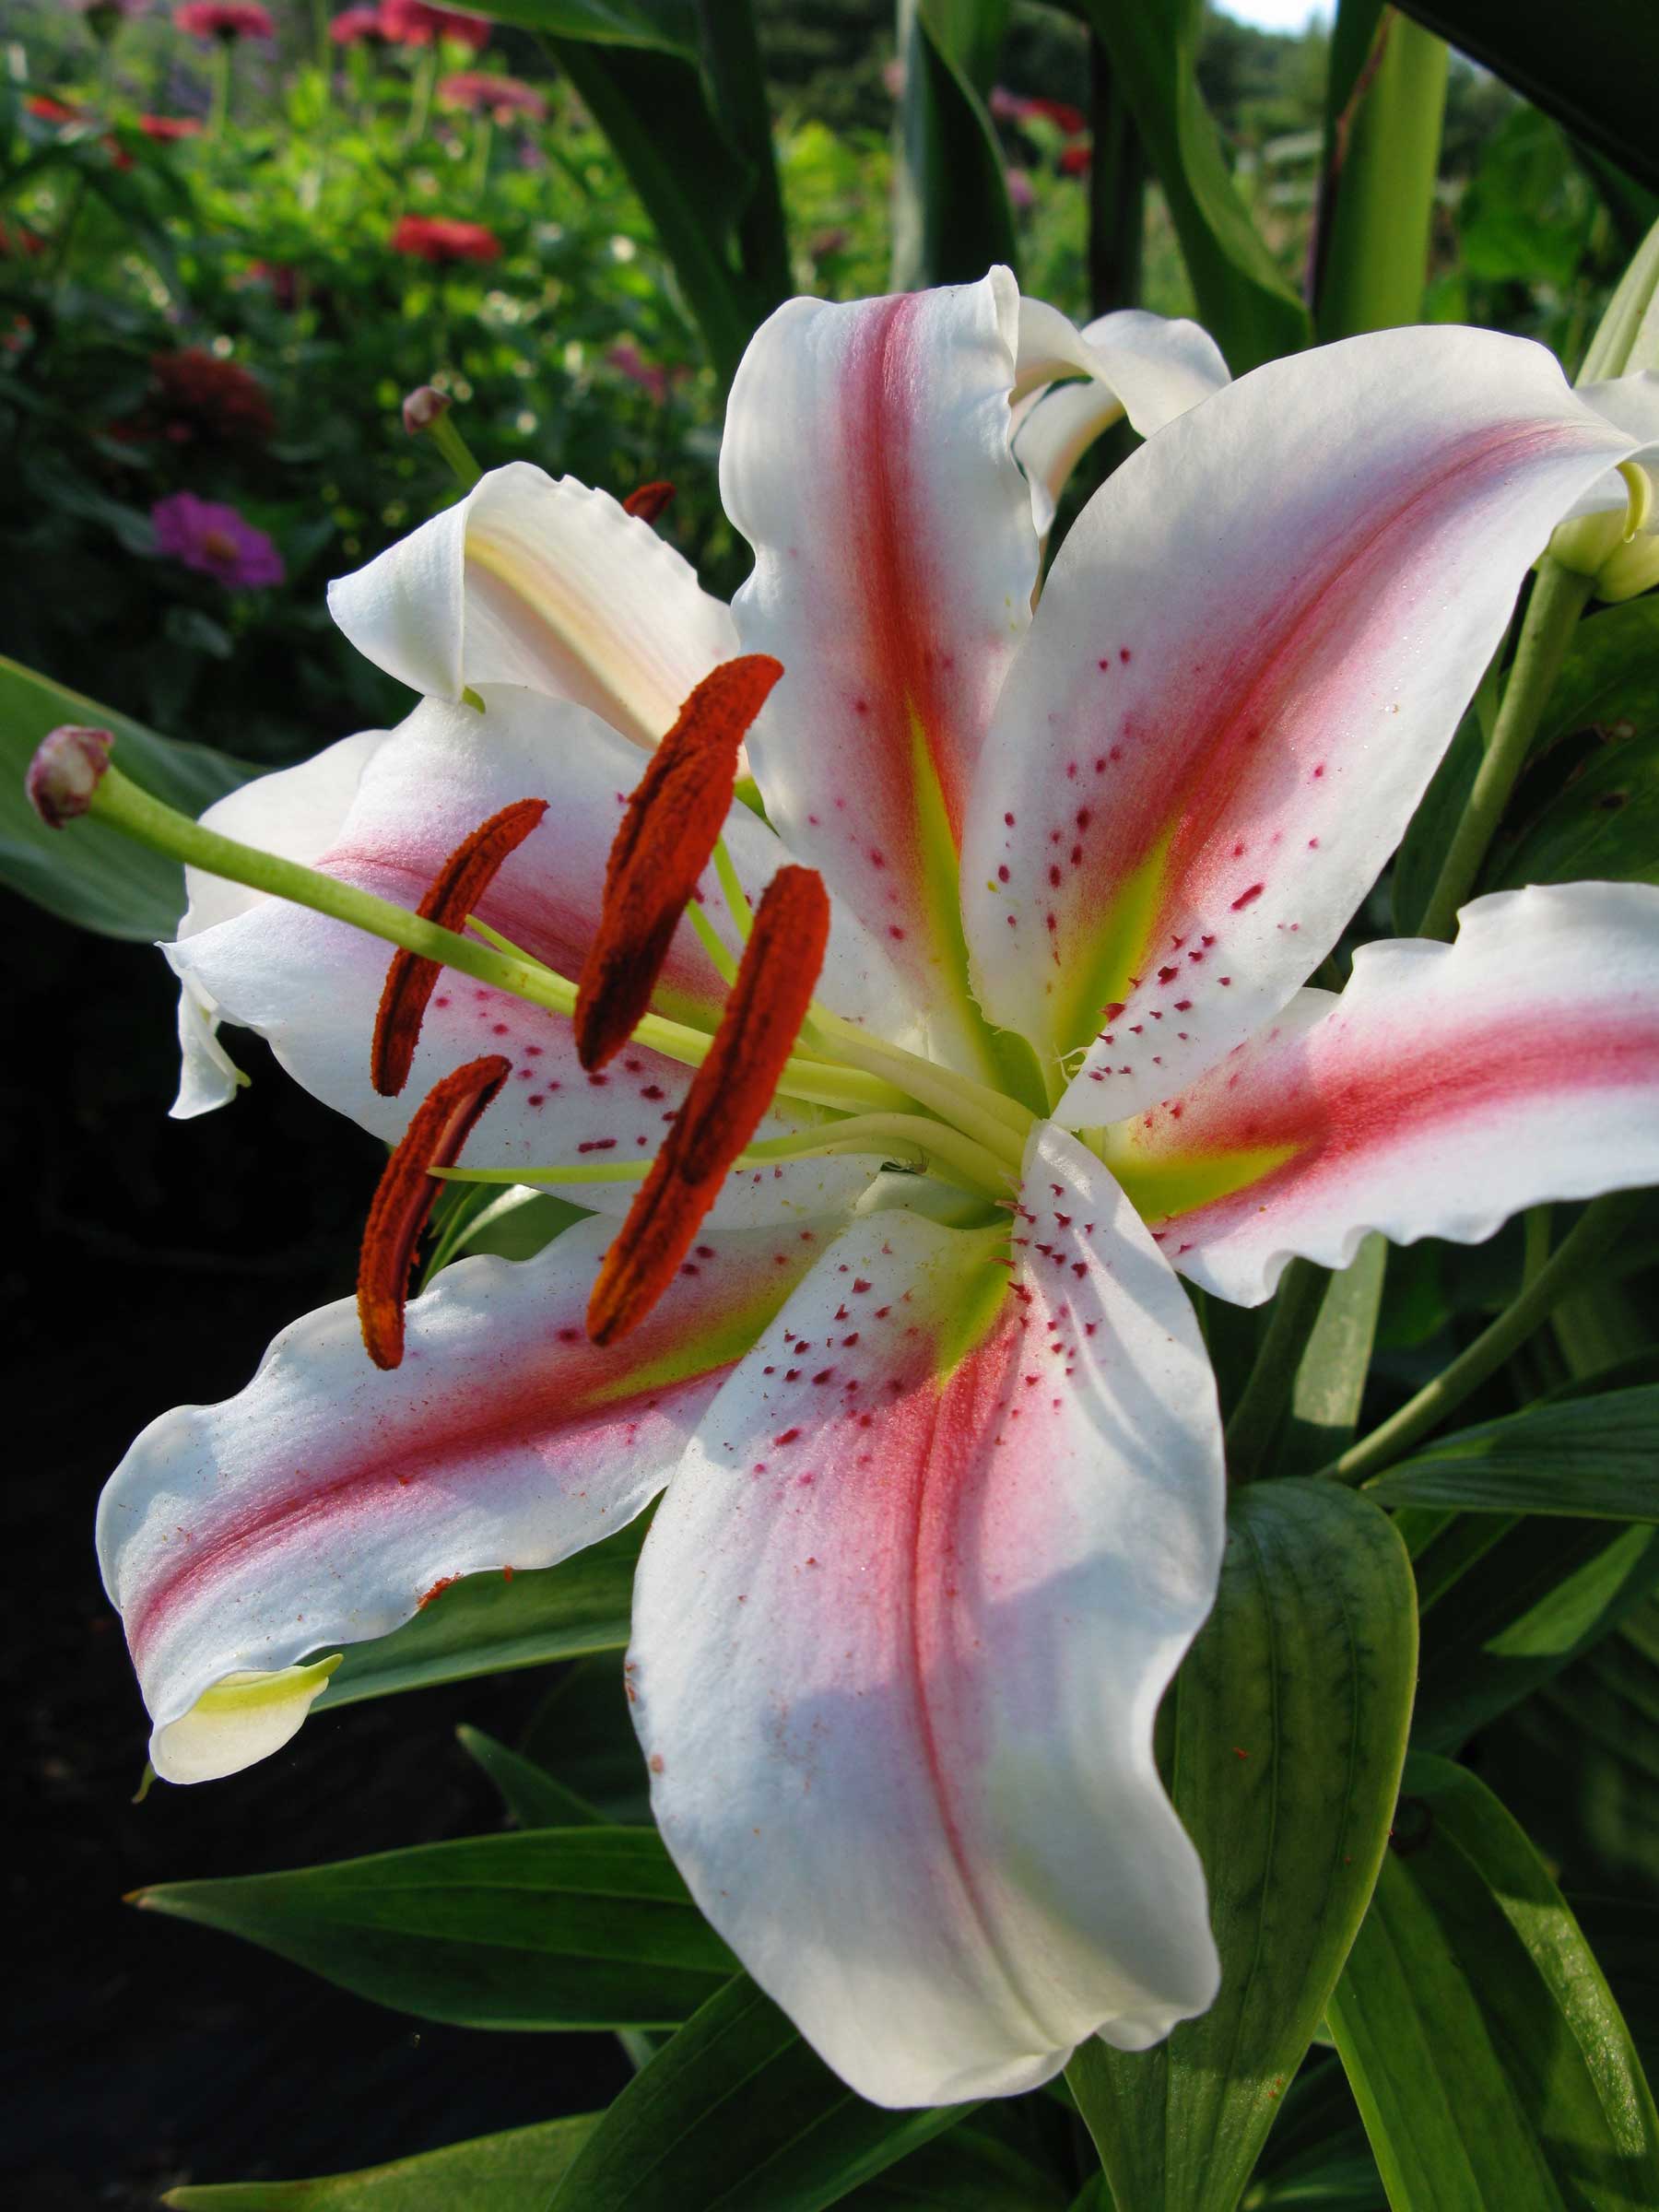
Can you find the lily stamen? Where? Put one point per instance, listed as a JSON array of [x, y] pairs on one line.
[[407, 1192], [728, 1097], [411, 979], [674, 820]]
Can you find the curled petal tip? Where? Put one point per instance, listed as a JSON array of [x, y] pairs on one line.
[[67, 768], [424, 406]]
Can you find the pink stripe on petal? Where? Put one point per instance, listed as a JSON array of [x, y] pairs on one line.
[[900, 1630], [1449, 1087], [1250, 655]]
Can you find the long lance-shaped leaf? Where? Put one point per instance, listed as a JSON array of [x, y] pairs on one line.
[[1242, 299], [487, 1624], [952, 218], [96, 877], [1600, 85], [1592, 1456], [517, 2171], [1330, 1379], [552, 1928], [1382, 133], [1490, 2062], [1281, 1741], [736, 2112], [1511, 1606]]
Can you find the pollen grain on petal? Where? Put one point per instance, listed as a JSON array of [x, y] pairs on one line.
[[456, 889], [649, 502], [672, 822], [728, 1097], [398, 1213]]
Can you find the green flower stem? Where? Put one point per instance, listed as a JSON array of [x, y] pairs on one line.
[[910, 1140], [219, 114], [1261, 1407], [1558, 598], [455, 450], [119, 803], [995, 1120], [1573, 1258]]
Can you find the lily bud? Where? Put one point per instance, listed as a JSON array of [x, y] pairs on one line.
[[1620, 551], [424, 406], [68, 767]]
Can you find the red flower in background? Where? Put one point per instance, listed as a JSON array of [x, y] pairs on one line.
[[1020, 107], [51, 110], [225, 20], [500, 97], [413, 23], [1076, 160], [165, 129], [437, 238], [200, 397], [354, 25], [19, 244]]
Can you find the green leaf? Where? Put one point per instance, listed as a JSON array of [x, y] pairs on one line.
[[1281, 1741], [583, 1927], [529, 1792], [1423, 851], [1376, 188], [1529, 1601], [512, 2172], [974, 2167], [1489, 2060], [1593, 1457], [487, 1624], [736, 2111], [1242, 298], [582, 1732], [1600, 86], [1330, 1380], [952, 218], [87, 873]]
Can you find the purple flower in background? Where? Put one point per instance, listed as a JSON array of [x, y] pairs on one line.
[[215, 541]]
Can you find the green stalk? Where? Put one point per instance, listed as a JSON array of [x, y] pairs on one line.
[[1117, 190], [1558, 598], [455, 450], [1574, 1257], [219, 114], [119, 803], [1261, 1407], [1376, 200], [737, 82]]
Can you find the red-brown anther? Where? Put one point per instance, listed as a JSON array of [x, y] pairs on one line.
[[650, 500], [456, 889], [728, 1097], [673, 823], [443, 1121]]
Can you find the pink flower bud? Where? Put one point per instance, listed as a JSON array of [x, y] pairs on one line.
[[67, 768], [424, 406]]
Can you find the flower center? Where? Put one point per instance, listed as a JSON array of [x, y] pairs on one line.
[[218, 545]]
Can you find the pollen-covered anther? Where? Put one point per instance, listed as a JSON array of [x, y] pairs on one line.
[[456, 889], [728, 1098], [649, 502], [672, 824], [442, 1122]]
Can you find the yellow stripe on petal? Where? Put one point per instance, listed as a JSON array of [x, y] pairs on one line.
[[1123, 950], [1159, 1188]]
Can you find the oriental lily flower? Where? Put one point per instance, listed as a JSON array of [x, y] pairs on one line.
[[991, 1025]]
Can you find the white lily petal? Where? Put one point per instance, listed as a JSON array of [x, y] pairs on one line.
[[1250, 655], [328, 1500], [1447, 1088], [542, 584], [900, 1630]]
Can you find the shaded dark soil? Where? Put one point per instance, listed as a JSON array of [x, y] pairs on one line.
[[149, 1262]]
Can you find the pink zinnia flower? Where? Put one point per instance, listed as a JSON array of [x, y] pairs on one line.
[[1022, 192], [413, 23], [354, 25], [438, 238], [215, 541], [650, 376], [225, 20], [500, 97]]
